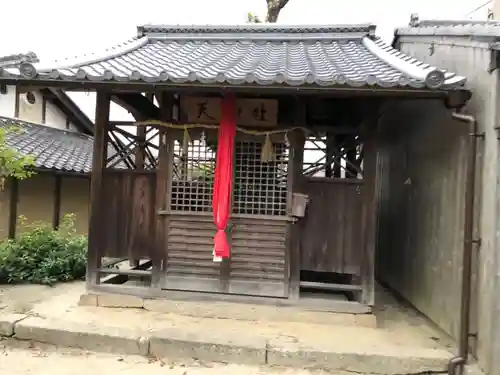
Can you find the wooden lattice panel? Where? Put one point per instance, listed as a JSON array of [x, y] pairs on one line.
[[333, 156], [133, 147], [260, 187], [193, 177]]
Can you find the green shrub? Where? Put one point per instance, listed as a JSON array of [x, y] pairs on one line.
[[42, 255]]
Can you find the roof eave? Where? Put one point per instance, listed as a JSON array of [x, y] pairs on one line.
[[62, 172], [76, 62], [303, 89]]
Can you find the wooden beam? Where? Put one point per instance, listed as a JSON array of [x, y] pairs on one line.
[[295, 185], [14, 199], [112, 262], [162, 199], [138, 105], [56, 212], [113, 124], [96, 230], [117, 277], [129, 272], [120, 149], [331, 287], [370, 207]]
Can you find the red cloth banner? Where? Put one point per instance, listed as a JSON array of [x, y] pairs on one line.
[[223, 181]]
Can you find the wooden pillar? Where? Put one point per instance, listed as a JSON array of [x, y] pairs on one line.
[[295, 185], [140, 151], [13, 203], [337, 145], [96, 225], [163, 176], [370, 206], [329, 150], [140, 158], [56, 211], [16, 103], [44, 111], [351, 155]]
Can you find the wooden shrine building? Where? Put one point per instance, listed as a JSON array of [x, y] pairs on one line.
[[303, 207]]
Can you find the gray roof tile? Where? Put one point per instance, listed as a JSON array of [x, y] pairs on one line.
[[50, 147], [249, 55], [458, 28]]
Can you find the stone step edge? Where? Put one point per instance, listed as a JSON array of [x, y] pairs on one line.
[[208, 346], [115, 300]]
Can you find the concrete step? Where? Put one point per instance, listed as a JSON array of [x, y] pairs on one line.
[[339, 353]]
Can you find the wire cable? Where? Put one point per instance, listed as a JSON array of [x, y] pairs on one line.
[[478, 8]]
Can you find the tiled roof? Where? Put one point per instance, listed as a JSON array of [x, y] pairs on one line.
[[258, 54], [458, 28], [13, 60], [50, 147]]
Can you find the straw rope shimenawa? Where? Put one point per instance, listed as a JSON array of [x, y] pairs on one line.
[[267, 154], [206, 126]]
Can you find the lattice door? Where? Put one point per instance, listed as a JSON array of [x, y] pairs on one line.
[[257, 226], [258, 248]]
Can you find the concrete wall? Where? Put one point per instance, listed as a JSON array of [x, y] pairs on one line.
[[75, 199], [472, 59], [423, 163], [495, 7], [36, 202], [42, 112]]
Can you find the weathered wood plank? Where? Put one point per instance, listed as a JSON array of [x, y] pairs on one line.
[[371, 196], [96, 222], [130, 212], [331, 237], [255, 258], [296, 185]]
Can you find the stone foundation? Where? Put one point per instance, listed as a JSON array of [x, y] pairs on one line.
[[228, 310]]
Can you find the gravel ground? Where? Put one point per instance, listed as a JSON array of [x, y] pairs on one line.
[[22, 298], [23, 358]]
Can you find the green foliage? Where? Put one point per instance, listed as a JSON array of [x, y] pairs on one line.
[[42, 255], [204, 171], [251, 18], [12, 164]]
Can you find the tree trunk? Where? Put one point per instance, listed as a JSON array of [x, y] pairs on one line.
[[274, 8]]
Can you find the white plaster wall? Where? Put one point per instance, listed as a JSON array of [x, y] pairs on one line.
[[54, 117], [31, 112], [8, 102]]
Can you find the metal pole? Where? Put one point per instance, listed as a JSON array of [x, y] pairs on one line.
[[458, 362]]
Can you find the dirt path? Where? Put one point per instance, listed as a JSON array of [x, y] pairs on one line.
[[22, 298], [23, 358]]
